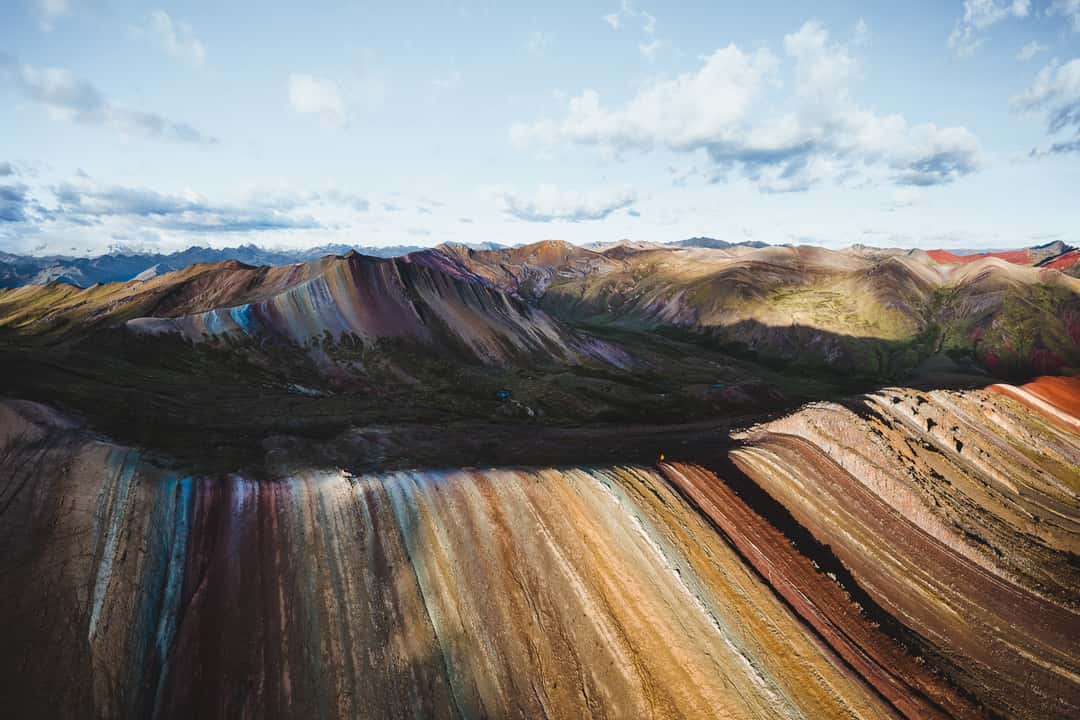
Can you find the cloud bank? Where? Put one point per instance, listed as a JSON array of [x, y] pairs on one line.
[[727, 108], [76, 100], [1055, 93], [980, 15], [550, 204]]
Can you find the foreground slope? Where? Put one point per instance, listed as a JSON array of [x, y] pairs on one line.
[[500, 593], [959, 515], [905, 554]]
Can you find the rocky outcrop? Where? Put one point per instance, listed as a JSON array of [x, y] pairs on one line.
[[959, 515]]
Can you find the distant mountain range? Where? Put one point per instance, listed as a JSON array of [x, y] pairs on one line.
[[708, 242], [19, 270]]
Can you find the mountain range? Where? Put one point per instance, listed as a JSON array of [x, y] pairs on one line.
[[628, 480], [121, 265]]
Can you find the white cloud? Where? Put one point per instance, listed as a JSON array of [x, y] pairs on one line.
[[720, 109], [87, 203], [1069, 9], [51, 11], [1030, 50], [979, 15], [538, 42], [683, 113], [76, 100], [648, 50], [318, 96], [1055, 92], [612, 20], [175, 38], [550, 204]]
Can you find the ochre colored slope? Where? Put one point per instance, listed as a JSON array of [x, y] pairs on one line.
[[376, 299], [820, 601], [43, 309], [498, 593], [369, 298], [958, 514]]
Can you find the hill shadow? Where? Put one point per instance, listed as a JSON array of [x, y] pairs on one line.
[[222, 408]]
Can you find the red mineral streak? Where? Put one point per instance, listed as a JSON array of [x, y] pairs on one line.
[[1058, 398], [956, 513], [1017, 257], [1064, 260], [821, 602]]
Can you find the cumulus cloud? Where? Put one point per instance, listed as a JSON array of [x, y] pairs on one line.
[[549, 204], [175, 38], [6, 169], [726, 110], [1055, 92], [313, 95], [85, 203], [1030, 50], [979, 15], [682, 113], [76, 100], [88, 204]]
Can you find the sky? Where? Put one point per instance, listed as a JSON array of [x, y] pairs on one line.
[[147, 126]]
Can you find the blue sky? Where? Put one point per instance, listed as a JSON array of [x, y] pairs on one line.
[[159, 126]]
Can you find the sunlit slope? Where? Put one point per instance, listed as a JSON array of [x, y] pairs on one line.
[[498, 593], [905, 554], [959, 515], [876, 312], [354, 298]]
